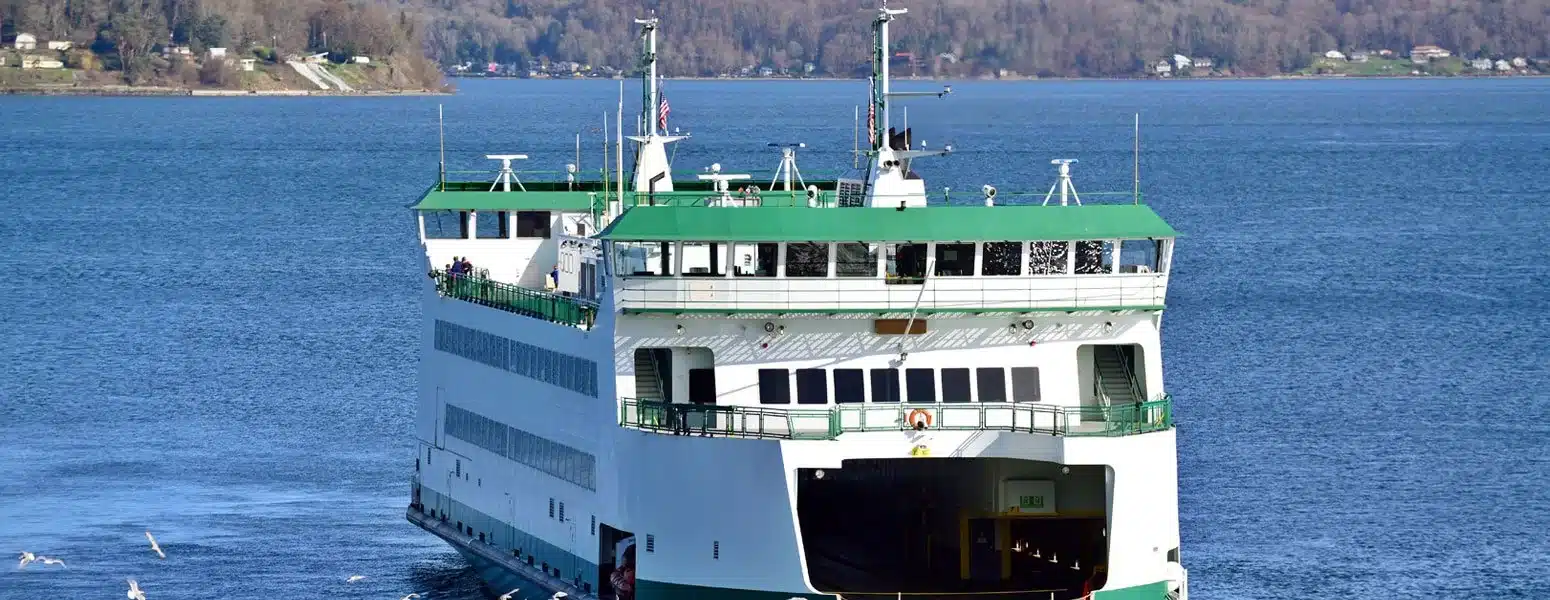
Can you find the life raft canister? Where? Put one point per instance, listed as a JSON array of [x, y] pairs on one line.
[[919, 416]]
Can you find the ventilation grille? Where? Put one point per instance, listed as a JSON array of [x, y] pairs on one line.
[[715, 550], [562, 512], [593, 529], [651, 543], [551, 508]]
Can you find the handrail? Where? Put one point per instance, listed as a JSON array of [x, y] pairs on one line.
[[760, 422], [872, 294], [555, 308]]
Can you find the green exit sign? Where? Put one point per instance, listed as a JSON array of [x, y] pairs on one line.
[[1030, 501]]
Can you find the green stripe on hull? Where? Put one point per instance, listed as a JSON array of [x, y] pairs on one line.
[[646, 589], [1151, 591]]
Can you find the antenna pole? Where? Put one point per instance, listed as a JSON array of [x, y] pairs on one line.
[[619, 148], [441, 135], [608, 212], [1136, 193]]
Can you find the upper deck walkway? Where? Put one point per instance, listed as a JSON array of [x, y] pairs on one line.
[[549, 306], [759, 422]]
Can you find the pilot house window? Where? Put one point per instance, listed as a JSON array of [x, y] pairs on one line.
[[807, 259], [1000, 259], [855, 260], [955, 260]]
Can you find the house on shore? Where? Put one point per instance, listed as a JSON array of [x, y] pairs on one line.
[[26, 41]]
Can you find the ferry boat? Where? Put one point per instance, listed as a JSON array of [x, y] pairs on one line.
[[828, 389]]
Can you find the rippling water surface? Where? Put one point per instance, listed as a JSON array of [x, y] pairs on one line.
[[209, 317]]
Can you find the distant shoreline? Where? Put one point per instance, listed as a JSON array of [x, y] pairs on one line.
[[1289, 76], [129, 91]]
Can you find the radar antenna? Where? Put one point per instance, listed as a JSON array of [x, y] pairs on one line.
[[722, 184], [788, 165], [507, 175], [1063, 183]]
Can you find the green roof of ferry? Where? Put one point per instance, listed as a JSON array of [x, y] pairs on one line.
[[513, 200], [921, 224]]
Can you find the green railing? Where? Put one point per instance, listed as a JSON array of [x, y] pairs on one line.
[[798, 198], [709, 420], [827, 424], [555, 308]]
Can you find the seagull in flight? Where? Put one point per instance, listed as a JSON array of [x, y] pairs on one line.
[[27, 557], [354, 578], [51, 561], [134, 591], [507, 595], [154, 546]]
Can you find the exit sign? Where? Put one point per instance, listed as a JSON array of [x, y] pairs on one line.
[[1035, 496]]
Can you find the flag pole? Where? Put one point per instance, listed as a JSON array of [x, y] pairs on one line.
[[1136, 171]]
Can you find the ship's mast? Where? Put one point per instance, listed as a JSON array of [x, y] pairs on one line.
[[648, 74], [888, 181], [652, 170]]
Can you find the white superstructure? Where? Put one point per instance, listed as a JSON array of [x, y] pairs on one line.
[[788, 395]]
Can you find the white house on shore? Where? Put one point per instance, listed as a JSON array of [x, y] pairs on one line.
[[26, 41], [1334, 55], [60, 45]]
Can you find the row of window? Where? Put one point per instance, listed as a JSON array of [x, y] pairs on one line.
[[989, 384], [810, 259], [555, 368], [540, 453], [446, 224]]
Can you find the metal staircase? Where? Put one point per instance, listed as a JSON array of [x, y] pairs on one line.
[[1113, 381], [648, 376]]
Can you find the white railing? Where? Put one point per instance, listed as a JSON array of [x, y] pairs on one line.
[[1145, 290]]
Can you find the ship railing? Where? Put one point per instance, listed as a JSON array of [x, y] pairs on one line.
[[555, 308], [708, 420], [857, 294], [734, 199]]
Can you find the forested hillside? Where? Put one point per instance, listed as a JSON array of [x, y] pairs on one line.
[[1046, 37], [128, 33], [712, 37]]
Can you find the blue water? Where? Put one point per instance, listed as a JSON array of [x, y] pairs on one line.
[[210, 321]]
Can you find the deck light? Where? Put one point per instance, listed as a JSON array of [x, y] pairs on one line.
[[818, 474], [1108, 327], [680, 329]]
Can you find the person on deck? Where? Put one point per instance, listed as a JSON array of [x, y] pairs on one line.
[[623, 578]]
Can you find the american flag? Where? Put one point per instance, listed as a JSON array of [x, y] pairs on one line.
[[662, 111], [871, 116]]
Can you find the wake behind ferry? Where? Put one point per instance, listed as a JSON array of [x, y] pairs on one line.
[[828, 389]]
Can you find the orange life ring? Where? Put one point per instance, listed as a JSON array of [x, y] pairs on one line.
[[922, 413]]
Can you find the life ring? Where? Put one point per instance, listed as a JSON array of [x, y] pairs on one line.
[[926, 416]]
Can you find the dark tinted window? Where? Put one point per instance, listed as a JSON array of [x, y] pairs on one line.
[[921, 384], [955, 385], [885, 385], [1002, 258], [533, 224], [774, 387], [992, 384], [812, 386], [1025, 384], [955, 259], [807, 259], [849, 386]]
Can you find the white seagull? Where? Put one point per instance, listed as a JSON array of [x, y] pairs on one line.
[[411, 597], [27, 557], [507, 595], [134, 591], [51, 561], [154, 546], [354, 578]]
